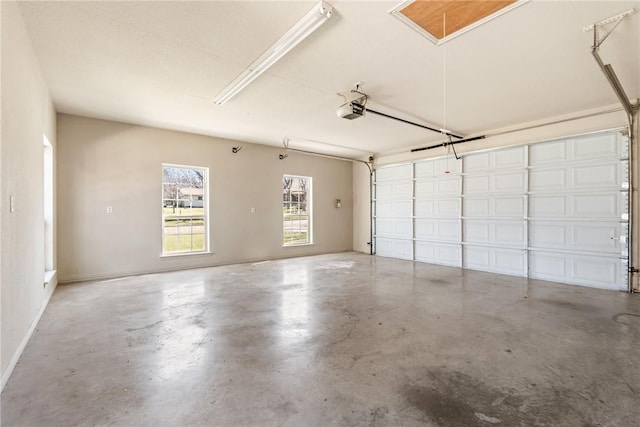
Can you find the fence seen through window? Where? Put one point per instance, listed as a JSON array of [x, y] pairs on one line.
[[184, 209], [296, 210]]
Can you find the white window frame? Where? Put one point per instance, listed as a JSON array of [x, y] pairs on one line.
[[309, 202], [205, 203], [49, 212]]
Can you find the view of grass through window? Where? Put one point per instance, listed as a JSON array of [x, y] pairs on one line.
[[296, 210], [183, 209]]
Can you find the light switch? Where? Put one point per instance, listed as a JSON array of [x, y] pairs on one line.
[[253, 210]]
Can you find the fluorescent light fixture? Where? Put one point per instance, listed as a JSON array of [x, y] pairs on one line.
[[307, 25]]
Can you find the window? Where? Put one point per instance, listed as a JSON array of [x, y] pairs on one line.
[[184, 209], [48, 208], [296, 210]]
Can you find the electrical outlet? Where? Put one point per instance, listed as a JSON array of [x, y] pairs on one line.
[[109, 209], [253, 210]]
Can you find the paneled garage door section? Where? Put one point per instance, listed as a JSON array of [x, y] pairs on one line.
[[494, 211], [437, 221], [553, 210], [394, 212], [578, 219]]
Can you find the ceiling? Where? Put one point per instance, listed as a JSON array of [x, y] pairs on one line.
[[161, 64]]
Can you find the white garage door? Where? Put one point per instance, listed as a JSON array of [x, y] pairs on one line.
[[578, 219], [394, 212], [495, 211], [437, 212], [553, 210]]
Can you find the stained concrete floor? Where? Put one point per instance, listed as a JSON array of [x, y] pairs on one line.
[[342, 339]]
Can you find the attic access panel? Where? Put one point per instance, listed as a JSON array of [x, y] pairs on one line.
[[427, 17]]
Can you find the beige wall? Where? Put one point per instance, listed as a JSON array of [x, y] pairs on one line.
[[27, 114], [103, 163]]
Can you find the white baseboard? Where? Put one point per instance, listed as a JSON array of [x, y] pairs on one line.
[[117, 275], [16, 356]]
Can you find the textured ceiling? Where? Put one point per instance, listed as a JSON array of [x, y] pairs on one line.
[[161, 64]]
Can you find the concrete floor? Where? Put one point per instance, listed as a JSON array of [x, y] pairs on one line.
[[343, 339]]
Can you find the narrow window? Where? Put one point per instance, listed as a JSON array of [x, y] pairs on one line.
[[184, 209], [296, 210], [48, 208]]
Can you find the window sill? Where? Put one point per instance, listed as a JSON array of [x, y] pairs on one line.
[[181, 254], [297, 245], [49, 275]]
